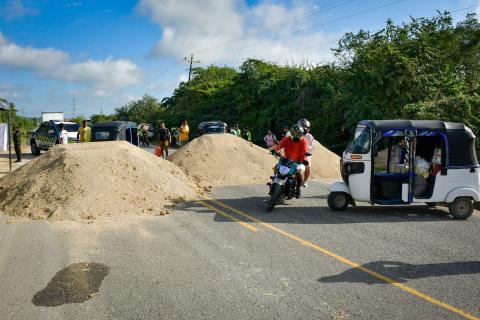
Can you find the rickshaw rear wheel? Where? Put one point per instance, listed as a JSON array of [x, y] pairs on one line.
[[338, 201], [461, 208]]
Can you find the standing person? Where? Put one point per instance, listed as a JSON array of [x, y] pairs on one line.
[[17, 143], [144, 134], [63, 139], [84, 133], [270, 139], [174, 134], [286, 132], [305, 124], [238, 132], [184, 130], [164, 139], [248, 134]]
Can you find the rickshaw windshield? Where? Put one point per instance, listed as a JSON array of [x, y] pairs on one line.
[[361, 141]]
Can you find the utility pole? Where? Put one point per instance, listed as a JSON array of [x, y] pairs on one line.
[[191, 62], [73, 107]]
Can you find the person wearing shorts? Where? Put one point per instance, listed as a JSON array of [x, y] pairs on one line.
[[164, 139], [295, 147]]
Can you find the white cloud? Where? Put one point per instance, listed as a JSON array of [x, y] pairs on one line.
[[183, 77], [9, 91], [100, 75], [74, 4], [190, 24], [228, 32], [26, 57], [105, 74], [14, 9]]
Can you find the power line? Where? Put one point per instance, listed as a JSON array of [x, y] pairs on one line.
[[280, 24], [336, 41], [309, 28]]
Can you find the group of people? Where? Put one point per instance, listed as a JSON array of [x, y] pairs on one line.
[[298, 145], [246, 133], [84, 135], [166, 138]]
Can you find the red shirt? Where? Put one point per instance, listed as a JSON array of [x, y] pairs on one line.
[[294, 150]]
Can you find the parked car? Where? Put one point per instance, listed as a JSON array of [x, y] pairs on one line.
[[47, 135], [212, 127], [115, 131], [432, 162]]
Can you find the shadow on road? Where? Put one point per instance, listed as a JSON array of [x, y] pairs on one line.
[[292, 213], [402, 272]]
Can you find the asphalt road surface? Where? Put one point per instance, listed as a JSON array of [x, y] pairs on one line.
[[228, 259]]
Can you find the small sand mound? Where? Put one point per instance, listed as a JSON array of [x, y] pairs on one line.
[[224, 159], [85, 181], [325, 163]]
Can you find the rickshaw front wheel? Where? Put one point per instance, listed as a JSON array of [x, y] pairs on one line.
[[461, 208], [338, 201]]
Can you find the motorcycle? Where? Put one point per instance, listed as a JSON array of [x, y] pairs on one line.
[[284, 182]]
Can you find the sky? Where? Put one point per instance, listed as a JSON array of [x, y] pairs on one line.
[[104, 54]]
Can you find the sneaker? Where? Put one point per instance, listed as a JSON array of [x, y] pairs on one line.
[[305, 185]]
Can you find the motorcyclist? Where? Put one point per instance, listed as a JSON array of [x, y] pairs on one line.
[[305, 124], [295, 148]]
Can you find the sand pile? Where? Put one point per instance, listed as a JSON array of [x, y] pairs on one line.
[[224, 159], [85, 181], [221, 160], [325, 163]]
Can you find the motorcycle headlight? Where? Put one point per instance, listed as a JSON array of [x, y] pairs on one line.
[[284, 170]]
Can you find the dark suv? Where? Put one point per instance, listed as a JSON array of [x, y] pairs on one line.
[[48, 135], [212, 127]]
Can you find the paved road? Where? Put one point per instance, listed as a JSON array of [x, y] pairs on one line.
[[198, 263], [4, 161]]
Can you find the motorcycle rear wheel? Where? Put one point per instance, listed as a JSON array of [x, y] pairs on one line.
[[276, 194]]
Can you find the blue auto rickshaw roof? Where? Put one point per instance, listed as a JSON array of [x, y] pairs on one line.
[[117, 124], [414, 124], [459, 137]]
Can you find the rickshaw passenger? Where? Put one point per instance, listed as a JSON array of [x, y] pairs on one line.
[[295, 147]]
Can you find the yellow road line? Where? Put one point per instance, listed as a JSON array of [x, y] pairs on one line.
[[374, 274], [226, 215]]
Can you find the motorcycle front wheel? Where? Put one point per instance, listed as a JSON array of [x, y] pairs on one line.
[[275, 196]]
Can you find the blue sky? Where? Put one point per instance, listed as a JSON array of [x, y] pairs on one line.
[[106, 53]]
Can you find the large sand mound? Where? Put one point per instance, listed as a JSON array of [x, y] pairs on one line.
[[224, 159], [84, 181]]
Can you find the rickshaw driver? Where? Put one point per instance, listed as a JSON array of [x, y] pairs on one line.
[[295, 148]]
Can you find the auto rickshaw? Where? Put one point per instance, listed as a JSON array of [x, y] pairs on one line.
[[401, 162], [114, 131]]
